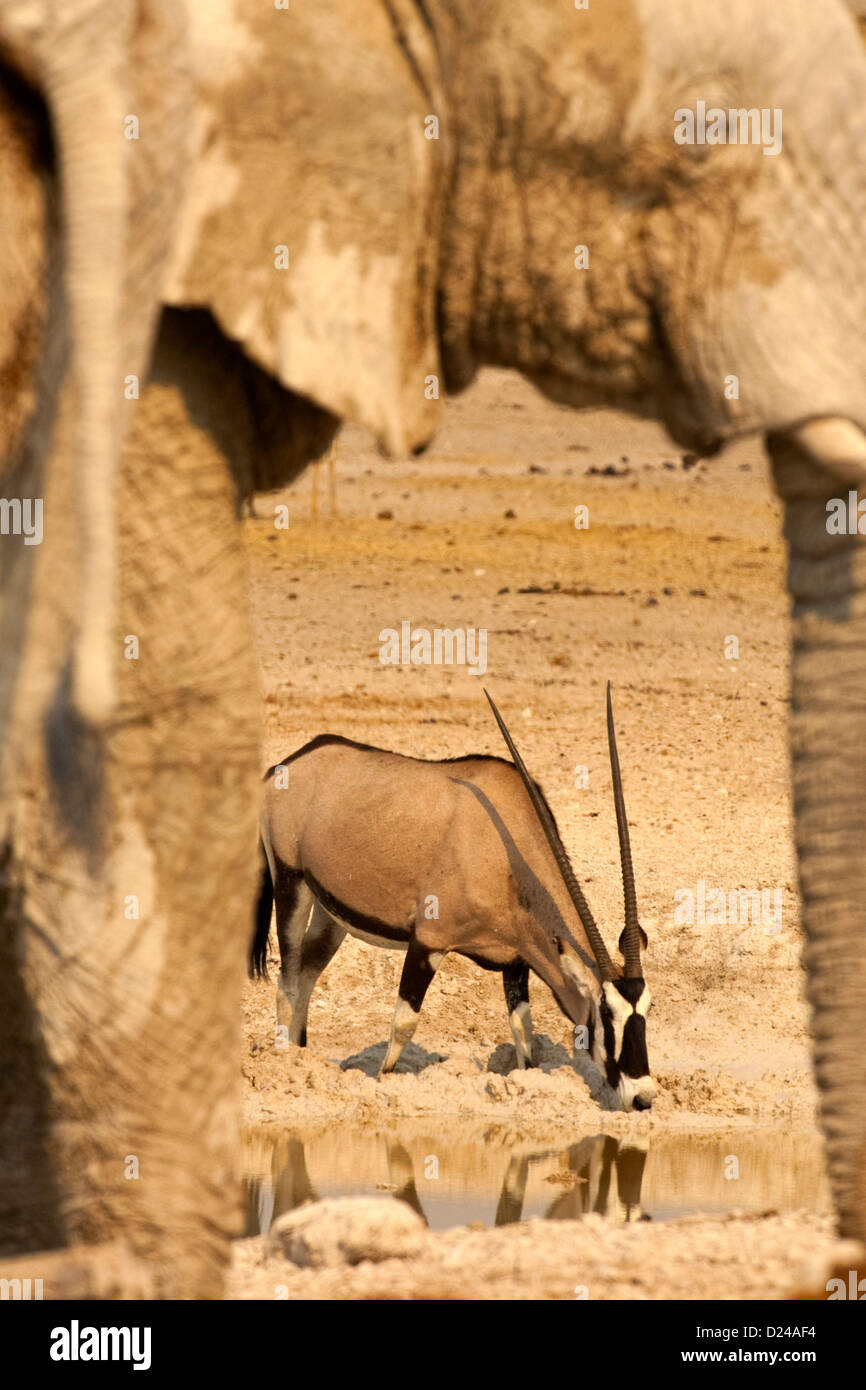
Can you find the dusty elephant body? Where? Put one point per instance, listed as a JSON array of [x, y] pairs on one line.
[[322, 258]]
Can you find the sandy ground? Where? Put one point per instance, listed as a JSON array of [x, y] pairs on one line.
[[732, 1258], [674, 592]]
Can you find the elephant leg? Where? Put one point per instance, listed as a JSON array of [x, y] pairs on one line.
[[827, 581], [187, 760], [127, 894]]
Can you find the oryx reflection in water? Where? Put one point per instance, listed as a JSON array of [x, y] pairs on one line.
[[599, 1174], [602, 1175]]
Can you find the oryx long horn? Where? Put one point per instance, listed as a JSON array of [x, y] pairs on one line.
[[548, 825], [631, 952]]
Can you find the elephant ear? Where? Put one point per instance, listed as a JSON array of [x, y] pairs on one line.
[[310, 229]]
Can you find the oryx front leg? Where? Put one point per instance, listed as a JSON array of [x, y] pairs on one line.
[[419, 968], [513, 1192], [321, 943], [515, 979]]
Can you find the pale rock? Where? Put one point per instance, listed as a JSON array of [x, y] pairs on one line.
[[347, 1230]]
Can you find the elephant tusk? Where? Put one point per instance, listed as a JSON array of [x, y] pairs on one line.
[[834, 443]]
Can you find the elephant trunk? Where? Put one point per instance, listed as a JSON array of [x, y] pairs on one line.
[[817, 468]]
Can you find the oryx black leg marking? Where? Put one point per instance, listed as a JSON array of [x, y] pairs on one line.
[[510, 1205], [291, 1181], [515, 979], [292, 902], [321, 943], [630, 1163], [419, 967], [401, 1173]]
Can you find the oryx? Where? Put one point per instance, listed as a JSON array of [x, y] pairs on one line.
[[430, 857], [609, 1175]]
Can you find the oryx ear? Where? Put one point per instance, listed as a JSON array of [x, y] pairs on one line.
[[643, 939], [311, 227]]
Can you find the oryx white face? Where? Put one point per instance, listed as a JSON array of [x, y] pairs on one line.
[[619, 1041]]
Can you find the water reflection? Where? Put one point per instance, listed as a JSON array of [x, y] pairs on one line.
[[599, 1174], [497, 1180], [602, 1175]]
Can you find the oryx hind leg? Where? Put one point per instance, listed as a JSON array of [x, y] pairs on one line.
[[515, 979], [323, 939], [293, 904], [419, 967]]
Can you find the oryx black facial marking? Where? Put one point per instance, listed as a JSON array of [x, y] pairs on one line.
[[624, 1033], [624, 1000], [622, 1054], [633, 1058]]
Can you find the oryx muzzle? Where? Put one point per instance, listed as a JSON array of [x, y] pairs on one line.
[[618, 1032]]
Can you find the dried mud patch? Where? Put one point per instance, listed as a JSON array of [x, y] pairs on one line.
[[760, 1257]]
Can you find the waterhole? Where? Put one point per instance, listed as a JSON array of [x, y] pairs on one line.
[[494, 1182]]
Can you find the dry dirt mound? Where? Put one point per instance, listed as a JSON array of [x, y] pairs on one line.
[[737, 1258]]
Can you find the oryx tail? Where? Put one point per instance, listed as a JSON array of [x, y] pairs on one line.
[[258, 963]]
